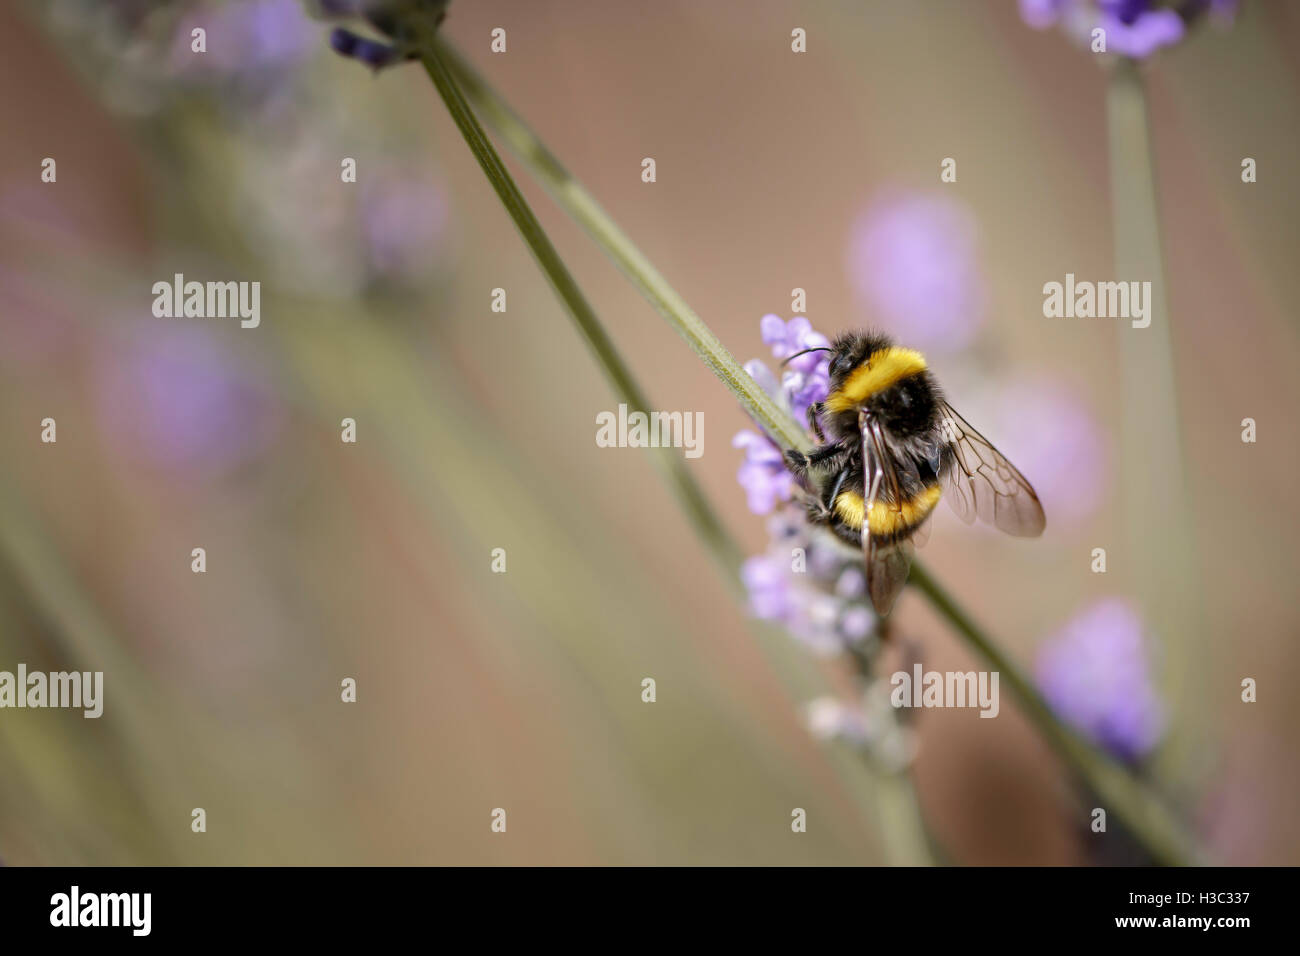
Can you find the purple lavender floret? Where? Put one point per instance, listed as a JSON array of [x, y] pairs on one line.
[[1095, 675], [805, 380], [405, 22], [186, 402], [811, 585], [1145, 33], [1134, 28], [762, 474], [372, 54], [913, 259]]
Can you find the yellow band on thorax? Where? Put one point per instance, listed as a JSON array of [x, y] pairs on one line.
[[881, 370]]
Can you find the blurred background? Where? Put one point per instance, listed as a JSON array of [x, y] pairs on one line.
[[475, 431]]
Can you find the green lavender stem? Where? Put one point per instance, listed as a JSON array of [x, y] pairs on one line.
[[1145, 813], [665, 299], [902, 830], [1155, 511], [625, 386]]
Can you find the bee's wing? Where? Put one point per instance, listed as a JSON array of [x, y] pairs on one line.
[[979, 482], [887, 563]]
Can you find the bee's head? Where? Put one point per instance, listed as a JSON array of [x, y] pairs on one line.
[[851, 349]]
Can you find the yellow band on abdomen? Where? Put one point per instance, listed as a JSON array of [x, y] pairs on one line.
[[884, 521]]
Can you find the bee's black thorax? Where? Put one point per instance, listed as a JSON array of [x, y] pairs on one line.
[[907, 409], [894, 385]]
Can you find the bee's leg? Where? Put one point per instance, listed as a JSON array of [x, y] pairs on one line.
[[819, 507], [814, 422], [799, 463], [796, 461], [816, 510], [825, 453]]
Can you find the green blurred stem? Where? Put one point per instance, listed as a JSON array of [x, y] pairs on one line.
[[665, 299], [905, 839], [1160, 541], [607, 356], [1150, 821]]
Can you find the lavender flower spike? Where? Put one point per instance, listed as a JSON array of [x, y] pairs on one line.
[[762, 474], [1095, 676], [1133, 28], [405, 22], [372, 54]]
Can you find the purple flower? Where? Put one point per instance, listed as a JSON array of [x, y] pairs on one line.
[[914, 265], [403, 21], [790, 338], [820, 595], [1144, 34], [244, 39], [1054, 439], [404, 224], [804, 582], [1094, 675], [768, 585], [1041, 14], [806, 379], [185, 403], [762, 474], [1134, 28], [370, 52]]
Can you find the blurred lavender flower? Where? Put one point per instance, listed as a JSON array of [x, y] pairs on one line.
[[821, 596], [245, 40], [373, 54], [914, 265], [805, 582], [1055, 439], [1134, 28], [762, 474], [186, 403], [804, 381], [404, 22], [404, 220], [387, 232], [1094, 674], [1041, 14], [871, 725], [831, 719], [143, 60]]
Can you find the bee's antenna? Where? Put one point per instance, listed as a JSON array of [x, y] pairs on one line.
[[805, 352]]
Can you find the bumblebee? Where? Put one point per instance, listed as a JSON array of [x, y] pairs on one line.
[[891, 447]]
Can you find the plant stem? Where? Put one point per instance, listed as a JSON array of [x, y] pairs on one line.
[[583, 207], [1160, 544], [890, 795], [1151, 822], [607, 356]]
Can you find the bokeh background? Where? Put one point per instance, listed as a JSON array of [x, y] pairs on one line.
[[476, 429]]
